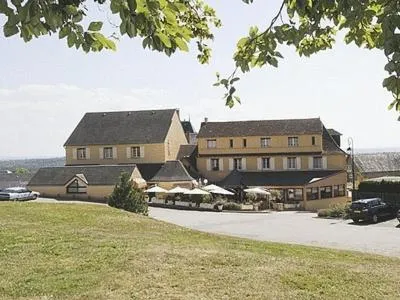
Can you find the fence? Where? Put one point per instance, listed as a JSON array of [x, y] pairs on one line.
[[390, 198]]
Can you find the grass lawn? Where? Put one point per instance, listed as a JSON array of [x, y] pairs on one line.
[[96, 252]]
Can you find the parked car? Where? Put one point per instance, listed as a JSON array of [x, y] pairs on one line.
[[370, 210], [398, 215], [18, 194]]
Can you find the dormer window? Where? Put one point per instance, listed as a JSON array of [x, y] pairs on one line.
[[265, 142], [108, 153], [293, 141], [81, 153], [211, 144]]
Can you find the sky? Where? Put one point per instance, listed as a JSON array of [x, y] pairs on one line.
[[46, 87]]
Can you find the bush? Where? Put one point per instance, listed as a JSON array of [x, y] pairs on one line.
[[263, 205], [232, 206], [335, 211], [126, 197]]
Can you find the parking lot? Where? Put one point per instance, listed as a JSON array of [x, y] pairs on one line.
[[292, 227]]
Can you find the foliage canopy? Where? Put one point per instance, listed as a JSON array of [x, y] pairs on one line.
[[167, 26]]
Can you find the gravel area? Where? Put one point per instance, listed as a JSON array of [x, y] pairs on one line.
[[292, 227]]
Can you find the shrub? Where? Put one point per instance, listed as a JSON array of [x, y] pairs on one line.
[[335, 211], [250, 197], [126, 197], [263, 205], [232, 206]]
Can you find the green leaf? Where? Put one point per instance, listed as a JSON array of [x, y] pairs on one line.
[[95, 26], [71, 39], [63, 32], [182, 45], [164, 39], [10, 30]]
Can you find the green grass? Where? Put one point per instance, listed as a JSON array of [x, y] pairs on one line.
[[96, 252]]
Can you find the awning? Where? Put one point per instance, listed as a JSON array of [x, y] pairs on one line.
[[211, 187], [156, 189], [257, 191], [221, 191], [177, 190], [196, 191]]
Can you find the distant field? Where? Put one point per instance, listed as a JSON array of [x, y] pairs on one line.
[[31, 164], [74, 251]]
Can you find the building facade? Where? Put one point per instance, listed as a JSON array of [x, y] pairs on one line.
[[274, 148], [136, 137]]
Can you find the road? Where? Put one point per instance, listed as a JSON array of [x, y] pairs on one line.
[[292, 227]]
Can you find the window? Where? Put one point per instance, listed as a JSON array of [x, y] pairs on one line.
[[266, 163], [75, 187], [215, 164], [313, 140], [326, 192], [338, 190], [295, 194], [135, 152], [211, 144], [291, 163], [312, 193], [108, 153], [265, 142], [244, 143], [231, 143], [81, 153], [293, 141], [237, 163], [317, 162]]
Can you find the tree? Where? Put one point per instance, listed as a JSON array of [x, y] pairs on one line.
[[22, 171], [167, 26], [126, 197]]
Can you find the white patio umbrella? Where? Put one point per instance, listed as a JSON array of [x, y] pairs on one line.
[[257, 191], [155, 189], [196, 191], [221, 191], [177, 190], [211, 187]]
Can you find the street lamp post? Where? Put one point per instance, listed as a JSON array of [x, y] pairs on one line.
[[351, 149]]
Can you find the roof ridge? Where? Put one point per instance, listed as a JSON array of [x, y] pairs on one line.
[[126, 111], [261, 120]]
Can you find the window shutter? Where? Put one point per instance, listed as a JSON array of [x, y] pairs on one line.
[[298, 163], [221, 164], [231, 164], [74, 153], [310, 162], [259, 163], [208, 164], [101, 153], [244, 164], [114, 152], [87, 153], [128, 152], [272, 163], [142, 151], [324, 162], [285, 163]]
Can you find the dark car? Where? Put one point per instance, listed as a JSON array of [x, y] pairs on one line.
[[398, 215], [370, 210]]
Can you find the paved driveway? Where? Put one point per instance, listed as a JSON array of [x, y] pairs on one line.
[[292, 227]]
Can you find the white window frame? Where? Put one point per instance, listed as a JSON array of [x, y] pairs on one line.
[[266, 166], [214, 166], [79, 152], [135, 152], [265, 142], [238, 163], [293, 141], [106, 154], [290, 164], [211, 144], [316, 165]]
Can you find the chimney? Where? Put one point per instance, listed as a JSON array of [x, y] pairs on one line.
[[205, 120]]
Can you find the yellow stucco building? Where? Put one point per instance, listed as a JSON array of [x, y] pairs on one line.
[[298, 157]]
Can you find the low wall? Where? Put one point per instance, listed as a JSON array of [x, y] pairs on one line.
[[315, 205]]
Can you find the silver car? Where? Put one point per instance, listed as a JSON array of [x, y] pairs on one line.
[[18, 194]]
